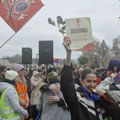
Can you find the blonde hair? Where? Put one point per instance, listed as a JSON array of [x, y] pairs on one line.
[[52, 75]]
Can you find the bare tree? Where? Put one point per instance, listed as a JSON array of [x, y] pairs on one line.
[[99, 56], [116, 49]]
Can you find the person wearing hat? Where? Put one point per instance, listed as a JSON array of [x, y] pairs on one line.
[[21, 85], [10, 108], [111, 84], [113, 67], [2, 72]]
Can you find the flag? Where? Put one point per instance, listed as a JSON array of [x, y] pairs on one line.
[[88, 47], [17, 12], [56, 60]]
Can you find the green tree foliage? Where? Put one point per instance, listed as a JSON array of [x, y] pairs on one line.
[[104, 53], [116, 49], [83, 60]]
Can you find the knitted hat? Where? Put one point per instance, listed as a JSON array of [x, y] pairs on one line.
[[112, 64], [17, 67], [11, 75]]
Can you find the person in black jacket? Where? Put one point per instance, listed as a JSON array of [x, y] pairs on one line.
[[84, 104]]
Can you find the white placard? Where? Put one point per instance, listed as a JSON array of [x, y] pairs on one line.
[[80, 32]]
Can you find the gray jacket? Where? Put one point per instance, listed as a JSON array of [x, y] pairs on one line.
[[53, 111], [105, 85]]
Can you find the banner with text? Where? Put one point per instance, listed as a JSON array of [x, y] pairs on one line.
[[80, 32]]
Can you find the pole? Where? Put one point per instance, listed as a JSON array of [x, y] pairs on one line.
[[8, 40], [21, 27], [37, 59]]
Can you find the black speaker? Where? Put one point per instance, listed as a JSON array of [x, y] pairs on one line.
[[45, 52], [26, 56]]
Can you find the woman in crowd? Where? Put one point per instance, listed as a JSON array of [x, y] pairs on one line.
[[21, 85], [113, 67], [52, 103], [35, 93], [112, 83], [84, 104], [9, 102]]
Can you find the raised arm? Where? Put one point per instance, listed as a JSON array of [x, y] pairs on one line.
[[67, 83], [66, 44]]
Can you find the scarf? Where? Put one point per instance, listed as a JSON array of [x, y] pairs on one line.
[[92, 97]]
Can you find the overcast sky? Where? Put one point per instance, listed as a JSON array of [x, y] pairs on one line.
[[104, 18]]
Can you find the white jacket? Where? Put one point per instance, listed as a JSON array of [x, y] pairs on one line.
[[35, 94]]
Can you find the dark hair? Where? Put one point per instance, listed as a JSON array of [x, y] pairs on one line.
[[112, 64], [10, 82], [43, 67], [85, 72], [50, 70], [2, 68]]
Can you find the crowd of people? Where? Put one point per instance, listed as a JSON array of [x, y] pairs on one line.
[[54, 93]]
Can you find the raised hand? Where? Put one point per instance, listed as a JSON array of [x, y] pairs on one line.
[[101, 92], [66, 44]]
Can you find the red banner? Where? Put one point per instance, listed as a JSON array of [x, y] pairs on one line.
[[87, 47], [56, 60], [17, 12]]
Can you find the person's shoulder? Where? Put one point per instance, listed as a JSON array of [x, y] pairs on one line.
[[80, 91], [10, 90]]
